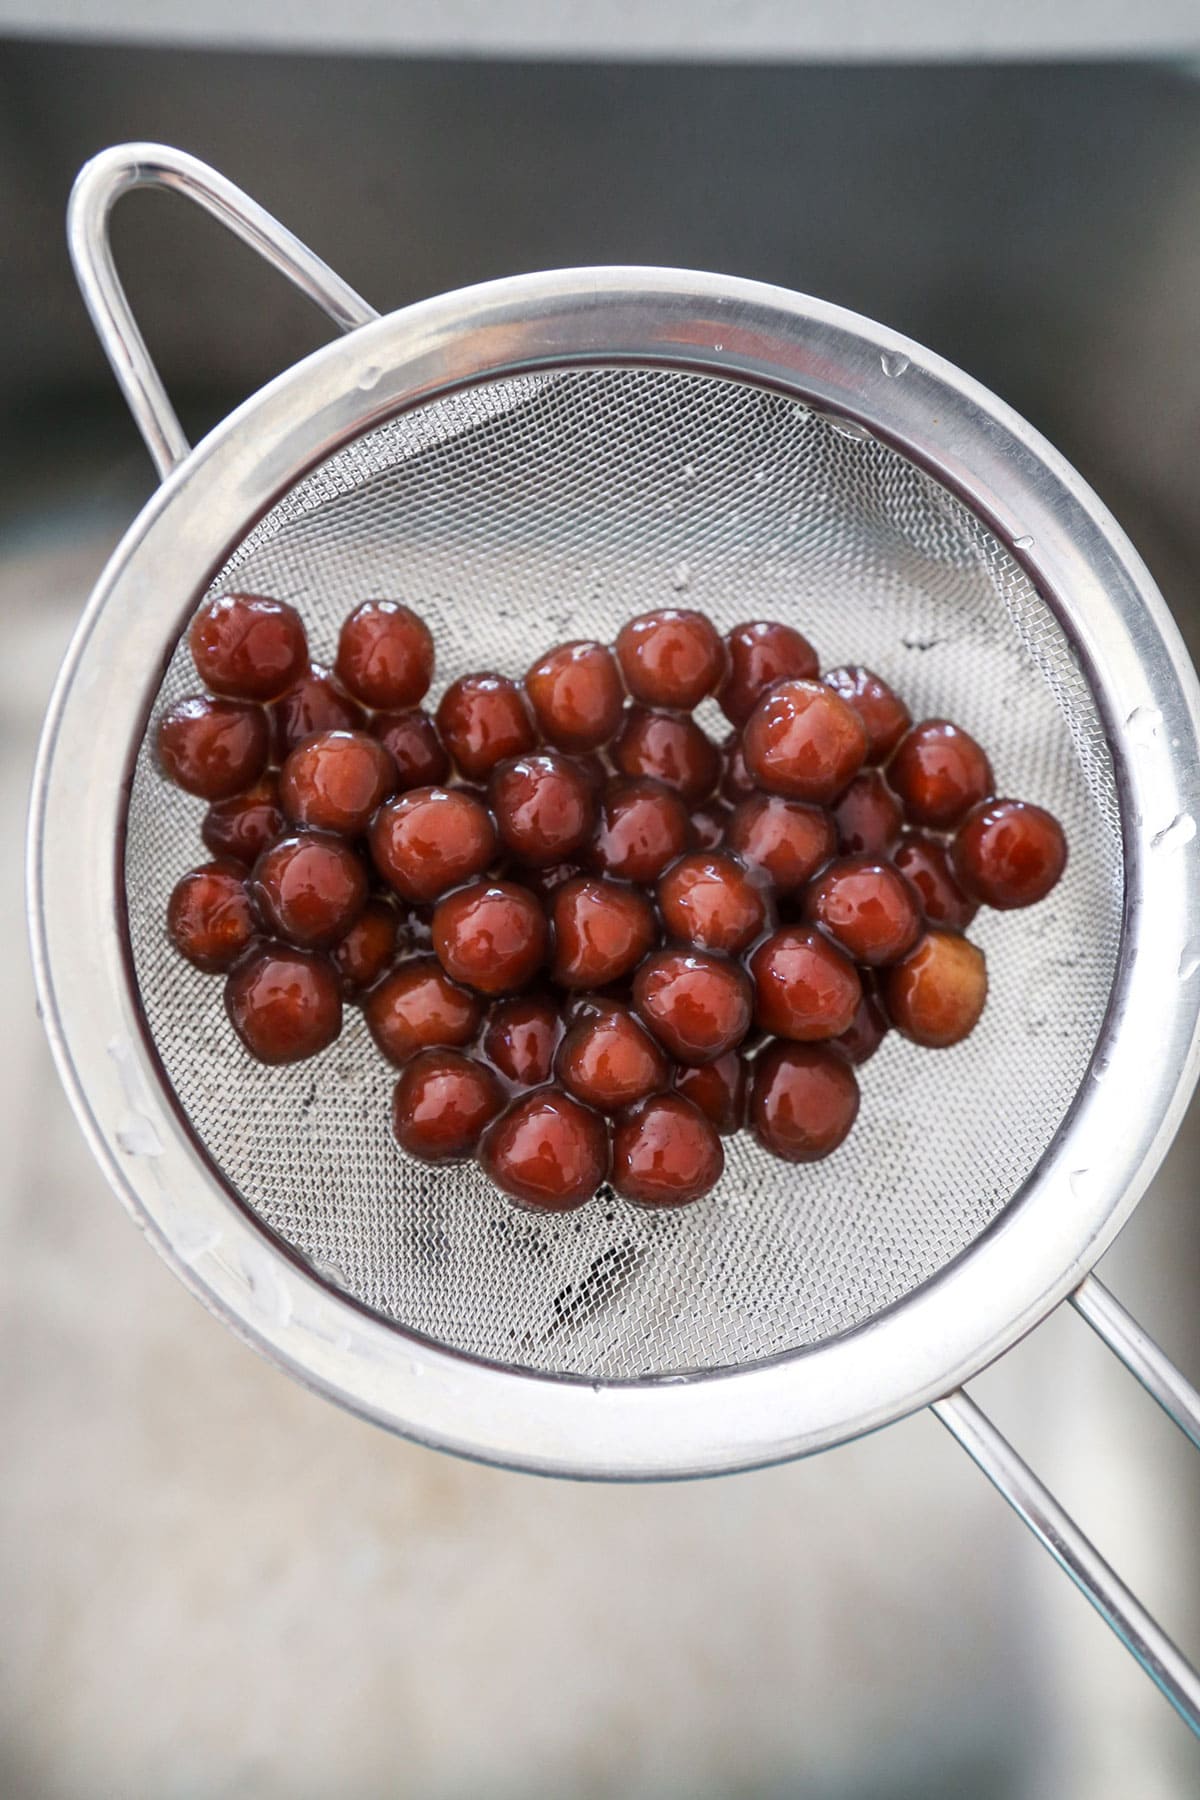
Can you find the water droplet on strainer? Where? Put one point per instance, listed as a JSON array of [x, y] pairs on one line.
[[681, 577], [892, 362], [849, 428], [1143, 723], [370, 376], [718, 346], [1189, 959], [1101, 1066], [1023, 543], [689, 473], [1082, 1183], [1174, 836], [331, 1272]]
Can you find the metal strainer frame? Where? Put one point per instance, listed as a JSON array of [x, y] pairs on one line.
[[1040, 1249]]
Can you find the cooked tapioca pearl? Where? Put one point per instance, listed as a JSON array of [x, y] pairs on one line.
[[547, 1151], [411, 740], [673, 657], [521, 1037], [210, 919], [602, 930], [213, 748], [668, 748], [881, 709], [936, 995], [867, 908], [608, 1061], [247, 646], [430, 840], [576, 695], [284, 1003], [1009, 853], [442, 1104], [317, 702], [803, 1100], [710, 901], [309, 889], [418, 1007], [867, 1030], [787, 839], [246, 825], [709, 823], [665, 1152], [940, 773], [697, 1005], [803, 741], [490, 936], [804, 988], [385, 655], [482, 720], [761, 653], [368, 947], [335, 780], [642, 827], [544, 806], [737, 783], [869, 817], [925, 863], [719, 1089]]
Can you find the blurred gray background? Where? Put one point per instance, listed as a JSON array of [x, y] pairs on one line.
[[213, 1584]]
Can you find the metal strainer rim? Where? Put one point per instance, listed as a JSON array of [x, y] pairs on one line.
[[1074, 1202]]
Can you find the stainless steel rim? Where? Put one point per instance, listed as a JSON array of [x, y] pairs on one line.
[[1145, 1065]]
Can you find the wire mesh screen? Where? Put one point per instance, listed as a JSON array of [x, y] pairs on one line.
[[526, 512]]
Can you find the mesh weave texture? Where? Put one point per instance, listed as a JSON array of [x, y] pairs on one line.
[[523, 513]]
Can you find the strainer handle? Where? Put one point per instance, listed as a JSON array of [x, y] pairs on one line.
[[99, 184], [1074, 1552]]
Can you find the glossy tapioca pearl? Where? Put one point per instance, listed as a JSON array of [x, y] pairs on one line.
[[418, 1007], [368, 948], [482, 720], [940, 773], [411, 740], [804, 988], [284, 1003], [670, 748], [672, 657], [868, 816], [708, 824], [335, 780], [867, 1029], [431, 839], [608, 1060], [737, 783], [787, 840], [803, 1100], [666, 1152], [1009, 853], [880, 708], [521, 1037], [761, 653], [924, 863], [248, 647], [719, 1089], [317, 702], [576, 695], [210, 919], [247, 824], [309, 889], [213, 748], [490, 936], [804, 742], [642, 827], [602, 930], [712, 902], [385, 655], [936, 995], [697, 1005], [442, 1104], [544, 807], [867, 908], [548, 1152]]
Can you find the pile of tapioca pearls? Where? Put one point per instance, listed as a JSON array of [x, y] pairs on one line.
[[591, 939]]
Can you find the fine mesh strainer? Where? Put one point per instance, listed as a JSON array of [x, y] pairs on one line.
[[534, 460]]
